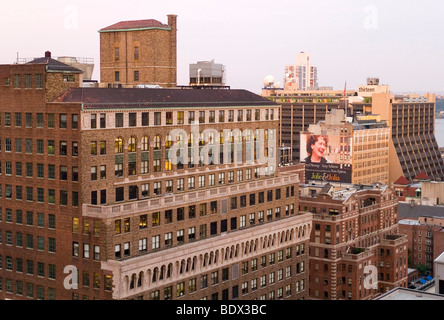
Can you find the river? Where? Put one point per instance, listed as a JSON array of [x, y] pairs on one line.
[[439, 131]]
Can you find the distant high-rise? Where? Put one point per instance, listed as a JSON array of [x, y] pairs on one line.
[[302, 75]]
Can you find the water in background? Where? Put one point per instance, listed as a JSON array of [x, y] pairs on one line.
[[439, 131]]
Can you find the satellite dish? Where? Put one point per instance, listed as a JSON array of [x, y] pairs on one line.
[[268, 81], [277, 85]]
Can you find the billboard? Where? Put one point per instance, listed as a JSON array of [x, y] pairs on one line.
[[327, 158]]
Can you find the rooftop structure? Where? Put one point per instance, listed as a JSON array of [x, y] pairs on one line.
[[139, 53]]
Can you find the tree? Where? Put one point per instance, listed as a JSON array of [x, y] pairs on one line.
[[423, 270]]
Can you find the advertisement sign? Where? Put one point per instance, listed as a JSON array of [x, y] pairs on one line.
[[327, 158]]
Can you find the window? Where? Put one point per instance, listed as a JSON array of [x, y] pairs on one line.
[[17, 81], [64, 173], [102, 120], [136, 53], [180, 117], [28, 120], [102, 147], [63, 148], [119, 194], [118, 145], [119, 120], [145, 119], [39, 123], [93, 148], [93, 121], [155, 242], [93, 173], [51, 147], [132, 119], [39, 81], [28, 81], [63, 121], [136, 76], [157, 119], [169, 117], [157, 188]]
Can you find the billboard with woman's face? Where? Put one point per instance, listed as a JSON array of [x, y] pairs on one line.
[[327, 157]]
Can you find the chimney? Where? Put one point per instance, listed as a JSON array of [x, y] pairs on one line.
[[48, 54]]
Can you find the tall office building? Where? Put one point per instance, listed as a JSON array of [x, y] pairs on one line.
[[141, 52], [413, 148], [356, 251], [302, 75], [114, 193]]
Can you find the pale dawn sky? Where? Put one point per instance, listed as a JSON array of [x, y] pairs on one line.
[[349, 40]]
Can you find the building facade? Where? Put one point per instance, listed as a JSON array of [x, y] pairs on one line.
[[112, 193], [412, 148], [354, 235], [142, 52], [207, 73], [358, 145], [426, 239]]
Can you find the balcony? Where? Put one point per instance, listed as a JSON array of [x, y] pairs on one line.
[[394, 239], [357, 254], [172, 200]]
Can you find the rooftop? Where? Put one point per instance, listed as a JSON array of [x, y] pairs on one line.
[[409, 294], [135, 25], [54, 65], [110, 98], [407, 210]]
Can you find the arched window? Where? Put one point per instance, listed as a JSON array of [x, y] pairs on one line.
[[118, 145], [145, 143], [157, 142], [132, 144], [168, 142]]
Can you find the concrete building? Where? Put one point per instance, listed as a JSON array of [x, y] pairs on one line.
[[207, 73], [90, 184], [439, 274], [355, 234], [302, 75], [142, 52], [413, 148]]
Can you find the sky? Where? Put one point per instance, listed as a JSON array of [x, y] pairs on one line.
[[400, 42]]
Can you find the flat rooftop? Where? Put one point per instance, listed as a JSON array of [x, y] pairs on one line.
[[409, 294], [111, 98]]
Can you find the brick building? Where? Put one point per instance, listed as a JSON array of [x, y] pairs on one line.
[[91, 195], [423, 226], [355, 233], [141, 52]]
